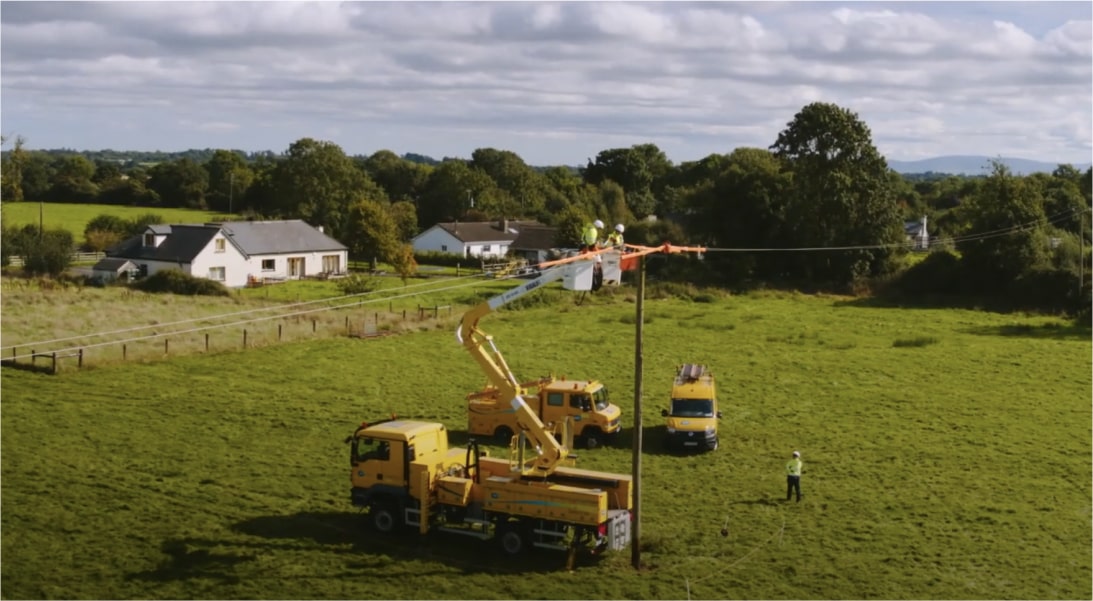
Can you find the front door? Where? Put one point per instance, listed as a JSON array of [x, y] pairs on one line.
[[296, 267]]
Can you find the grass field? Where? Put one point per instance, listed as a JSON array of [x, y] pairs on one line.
[[947, 456], [74, 217]]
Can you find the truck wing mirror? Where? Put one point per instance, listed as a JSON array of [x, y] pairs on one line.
[[664, 413], [718, 415]]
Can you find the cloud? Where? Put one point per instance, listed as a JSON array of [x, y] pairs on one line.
[[556, 82]]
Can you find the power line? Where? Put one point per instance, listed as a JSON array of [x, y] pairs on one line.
[[1054, 219]]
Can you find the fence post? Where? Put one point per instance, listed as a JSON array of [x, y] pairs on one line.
[[54, 362], [13, 355], [404, 315], [278, 332], [123, 352], [33, 356], [206, 342], [346, 324], [313, 320], [79, 361], [244, 337], [436, 311], [165, 345]]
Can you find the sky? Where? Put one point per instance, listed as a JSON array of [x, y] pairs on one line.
[[554, 82]]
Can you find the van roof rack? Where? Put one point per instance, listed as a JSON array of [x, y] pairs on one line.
[[691, 371]]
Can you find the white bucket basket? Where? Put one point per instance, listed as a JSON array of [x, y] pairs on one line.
[[612, 268], [578, 276]]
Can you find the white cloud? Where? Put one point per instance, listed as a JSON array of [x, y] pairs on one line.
[[558, 81]]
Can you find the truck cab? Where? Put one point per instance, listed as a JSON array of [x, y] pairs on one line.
[[693, 414]]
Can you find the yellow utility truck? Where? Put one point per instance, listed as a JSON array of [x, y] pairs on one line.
[[585, 403], [595, 420], [406, 476], [693, 412]]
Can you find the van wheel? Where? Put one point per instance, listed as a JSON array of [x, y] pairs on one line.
[[503, 434], [592, 439], [714, 446]]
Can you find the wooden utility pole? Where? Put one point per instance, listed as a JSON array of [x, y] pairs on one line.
[[635, 542]]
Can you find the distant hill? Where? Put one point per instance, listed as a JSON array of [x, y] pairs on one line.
[[974, 165]]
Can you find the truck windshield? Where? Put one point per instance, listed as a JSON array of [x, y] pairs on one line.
[[692, 408], [600, 399]]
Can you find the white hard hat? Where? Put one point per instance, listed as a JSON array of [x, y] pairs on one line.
[[598, 223], [796, 453], [620, 228]]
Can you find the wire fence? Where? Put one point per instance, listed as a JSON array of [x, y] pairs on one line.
[[327, 322]]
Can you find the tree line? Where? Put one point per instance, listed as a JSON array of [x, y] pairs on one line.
[[821, 184]]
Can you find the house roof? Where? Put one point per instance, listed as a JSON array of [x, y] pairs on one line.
[[112, 264], [183, 242], [273, 237], [486, 231], [535, 237]]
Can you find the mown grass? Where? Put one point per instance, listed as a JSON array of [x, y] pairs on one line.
[[74, 217], [953, 470]]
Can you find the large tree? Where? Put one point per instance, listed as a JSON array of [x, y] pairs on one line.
[[841, 195], [229, 179], [400, 179], [1006, 237], [180, 183], [317, 182], [11, 172], [370, 232], [642, 170]]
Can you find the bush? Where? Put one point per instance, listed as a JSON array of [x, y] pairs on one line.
[[176, 282], [938, 273], [357, 284], [1050, 290]]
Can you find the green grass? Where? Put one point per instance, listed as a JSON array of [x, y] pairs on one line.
[[74, 217], [954, 470]]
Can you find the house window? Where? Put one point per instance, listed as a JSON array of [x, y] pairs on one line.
[[332, 264], [268, 265], [219, 242], [216, 274], [149, 239], [444, 248], [486, 248]]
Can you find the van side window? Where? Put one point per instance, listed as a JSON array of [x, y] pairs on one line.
[[580, 401], [555, 399]]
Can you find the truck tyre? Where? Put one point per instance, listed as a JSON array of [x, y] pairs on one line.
[[503, 434], [592, 438], [383, 519], [512, 540]]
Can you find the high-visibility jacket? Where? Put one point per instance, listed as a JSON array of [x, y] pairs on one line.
[[590, 235], [615, 239], [793, 468]]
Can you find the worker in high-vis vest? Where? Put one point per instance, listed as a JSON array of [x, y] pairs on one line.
[[614, 240], [590, 237], [793, 476]]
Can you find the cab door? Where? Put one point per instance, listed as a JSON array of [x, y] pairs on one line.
[[379, 462]]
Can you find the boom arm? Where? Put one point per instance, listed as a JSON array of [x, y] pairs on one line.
[[476, 341], [550, 453]]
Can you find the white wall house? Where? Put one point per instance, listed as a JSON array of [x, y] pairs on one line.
[[917, 235], [482, 239], [236, 253]]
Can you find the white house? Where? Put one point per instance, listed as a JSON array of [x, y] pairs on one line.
[[917, 235], [471, 239], [236, 252]]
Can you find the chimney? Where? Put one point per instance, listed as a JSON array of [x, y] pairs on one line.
[[504, 223], [320, 228]]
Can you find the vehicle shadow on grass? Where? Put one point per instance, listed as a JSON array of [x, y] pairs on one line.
[[653, 442], [344, 533]]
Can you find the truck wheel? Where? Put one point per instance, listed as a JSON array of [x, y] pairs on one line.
[[383, 519], [503, 434], [592, 439], [714, 446], [512, 540]]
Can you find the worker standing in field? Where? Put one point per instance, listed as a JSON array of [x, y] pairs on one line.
[[793, 476], [590, 236], [614, 240]]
